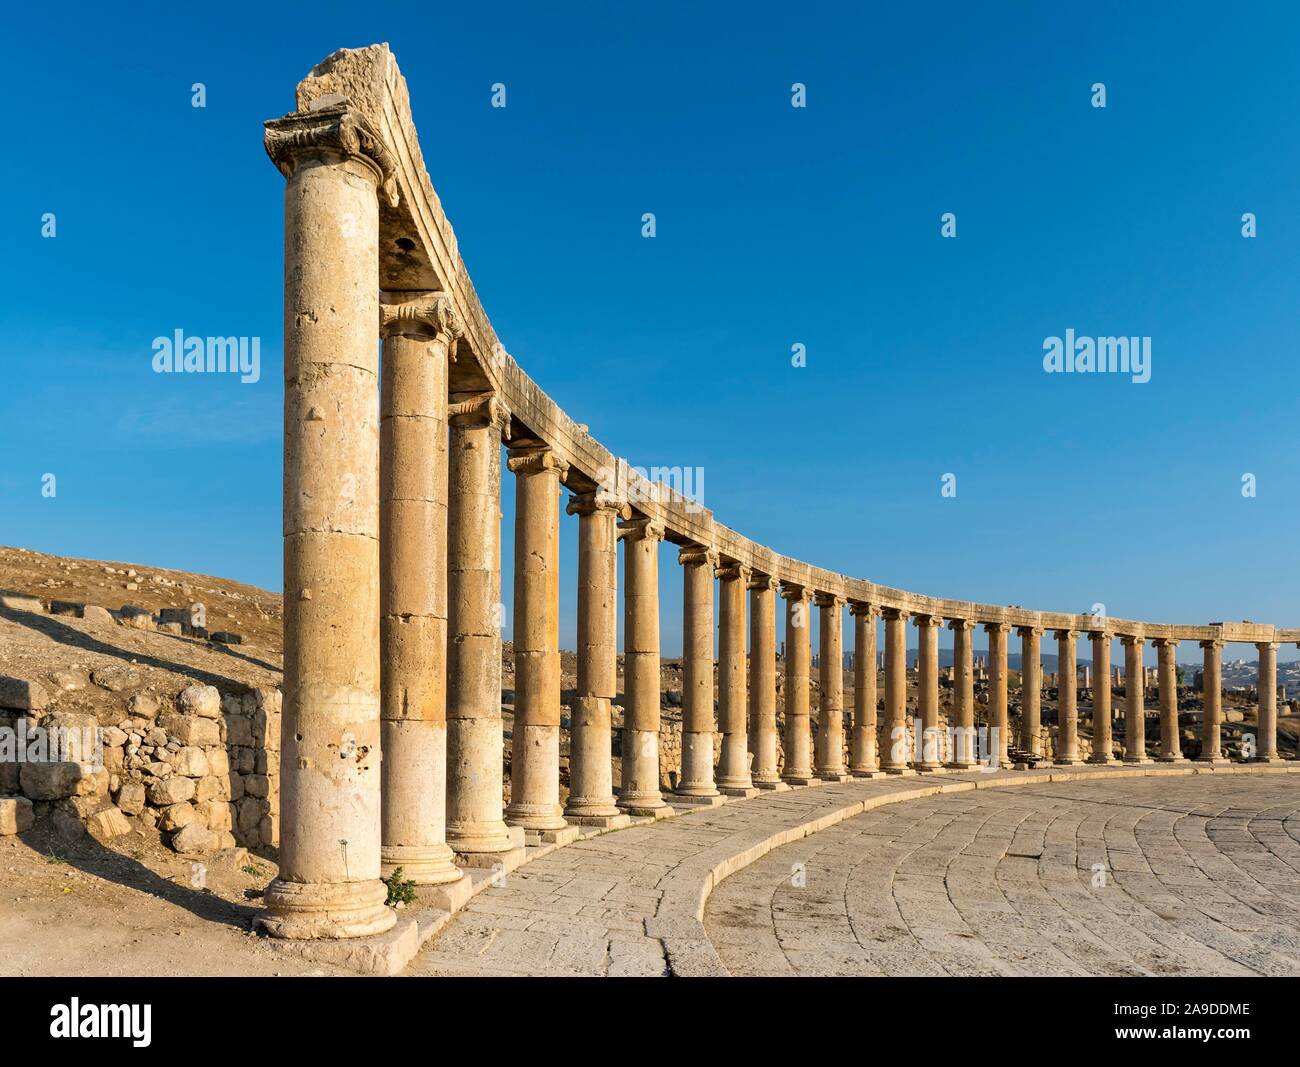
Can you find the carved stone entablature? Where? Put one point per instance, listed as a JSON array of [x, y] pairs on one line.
[[421, 315], [331, 130]]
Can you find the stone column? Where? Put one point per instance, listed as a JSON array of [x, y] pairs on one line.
[[798, 653], [329, 882], [1101, 739], [696, 781], [863, 755], [1267, 728], [1135, 722], [929, 754], [734, 778], [1170, 749], [417, 335], [1031, 690], [1212, 703], [963, 694], [476, 828], [535, 738], [1067, 702], [640, 791], [893, 743], [591, 775], [762, 681], [997, 746], [830, 711]]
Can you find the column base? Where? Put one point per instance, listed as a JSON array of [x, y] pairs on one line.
[[642, 804], [869, 771], [654, 814], [325, 910], [1138, 760], [928, 767], [559, 835], [737, 783], [421, 864], [769, 785], [837, 776], [799, 777], [1267, 759], [536, 818], [1103, 761], [1068, 761], [1212, 761], [739, 792], [962, 765], [507, 860], [900, 772], [489, 837], [617, 821], [695, 800], [696, 789], [596, 808], [1172, 759]]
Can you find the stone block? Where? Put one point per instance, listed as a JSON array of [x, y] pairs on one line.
[[174, 790], [192, 729], [15, 815], [195, 839], [22, 694], [201, 700], [108, 823]]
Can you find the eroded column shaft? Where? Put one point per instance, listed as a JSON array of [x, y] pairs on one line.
[[893, 742], [328, 884], [1135, 721], [1101, 716], [798, 654], [963, 694], [475, 740], [762, 681], [999, 732], [929, 756], [417, 332], [1170, 747], [1067, 702], [1267, 686], [830, 710], [1031, 690], [863, 755], [535, 738], [591, 773], [1212, 701], [697, 672], [733, 764], [640, 790]]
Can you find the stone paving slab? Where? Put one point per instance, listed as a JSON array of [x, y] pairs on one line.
[[632, 901]]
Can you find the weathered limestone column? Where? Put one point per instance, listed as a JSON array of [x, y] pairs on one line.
[[476, 828], [863, 754], [1031, 689], [417, 335], [591, 775], [1135, 721], [798, 654], [535, 739], [963, 693], [1267, 702], [696, 779], [830, 712], [329, 882], [928, 755], [734, 778], [762, 682], [1212, 703], [1101, 733], [639, 793], [1170, 749], [893, 743], [1067, 715], [997, 754]]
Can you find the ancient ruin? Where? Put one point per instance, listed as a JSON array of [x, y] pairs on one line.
[[392, 740]]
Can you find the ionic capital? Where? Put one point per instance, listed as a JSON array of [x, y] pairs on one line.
[[641, 530], [597, 501], [792, 591], [1128, 640], [732, 571], [1104, 637], [1266, 646], [696, 555], [762, 583], [962, 625], [1165, 642], [333, 131], [1066, 635], [894, 614], [828, 600], [924, 619], [1216, 644], [858, 607], [1029, 631], [533, 458], [997, 627], [479, 409], [428, 315]]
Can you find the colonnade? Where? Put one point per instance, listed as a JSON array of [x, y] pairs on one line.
[[393, 745]]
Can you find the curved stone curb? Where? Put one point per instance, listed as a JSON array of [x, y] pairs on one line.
[[679, 921]]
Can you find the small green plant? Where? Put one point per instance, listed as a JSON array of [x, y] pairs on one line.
[[399, 891], [253, 870], [51, 857]]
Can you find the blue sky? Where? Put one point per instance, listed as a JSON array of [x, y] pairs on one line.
[[775, 226]]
